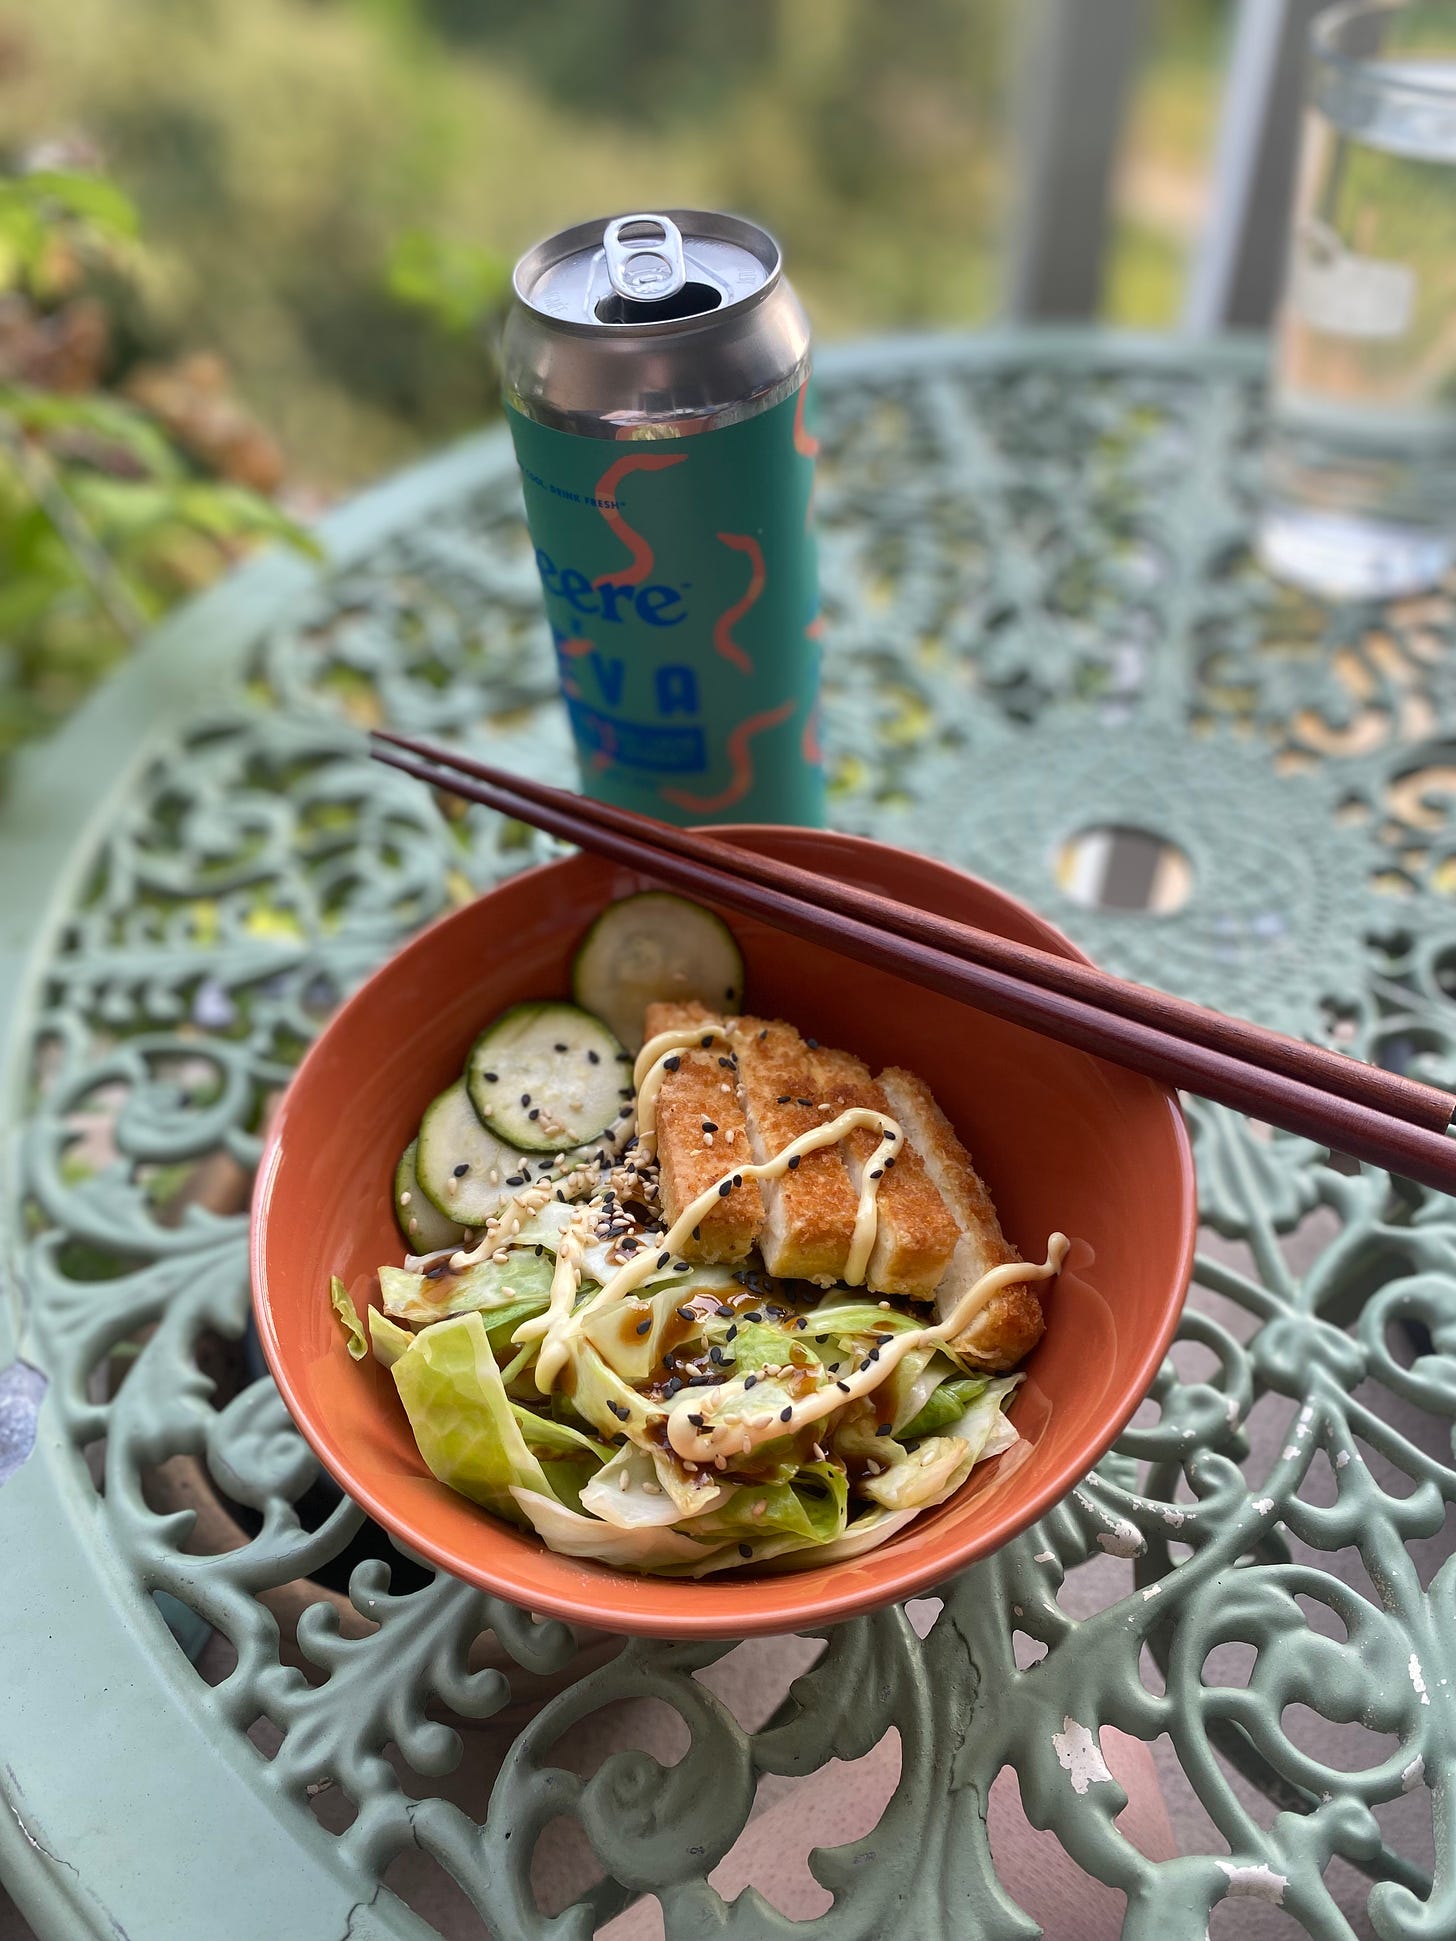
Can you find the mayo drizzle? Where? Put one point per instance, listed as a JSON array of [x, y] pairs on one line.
[[651, 1069], [555, 1343], [733, 1429]]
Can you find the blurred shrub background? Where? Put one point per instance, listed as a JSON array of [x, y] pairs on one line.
[[328, 195]]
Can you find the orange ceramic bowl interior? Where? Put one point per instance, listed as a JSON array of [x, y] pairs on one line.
[[1063, 1140]]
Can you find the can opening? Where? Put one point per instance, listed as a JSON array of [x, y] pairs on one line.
[[692, 300]]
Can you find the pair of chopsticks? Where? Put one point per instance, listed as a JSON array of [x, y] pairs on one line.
[[1353, 1108]]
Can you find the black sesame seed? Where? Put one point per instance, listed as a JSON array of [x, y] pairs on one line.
[[705, 1042], [629, 1245], [726, 1064], [697, 1233], [725, 1312], [821, 1339], [534, 1113], [644, 1325], [754, 1316], [662, 1260], [786, 1100], [843, 1385], [490, 1077], [794, 1162], [704, 1381], [715, 1355], [516, 1179], [763, 1034], [878, 1173], [686, 1314], [786, 1415], [625, 1093], [884, 1428], [696, 1420], [750, 1380], [725, 1189], [873, 1355], [671, 1386], [434, 1273], [745, 1549], [525, 1098], [619, 1409], [709, 1126], [671, 1064], [803, 1101], [594, 1058], [812, 1043], [682, 1267], [558, 1047], [462, 1169], [731, 1332], [539, 1251], [624, 1058], [738, 1179], [889, 1138]]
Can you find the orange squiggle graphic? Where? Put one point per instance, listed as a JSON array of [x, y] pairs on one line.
[[805, 443], [741, 760], [642, 556], [812, 749], [815, 628], [576, 647], [723, 626]]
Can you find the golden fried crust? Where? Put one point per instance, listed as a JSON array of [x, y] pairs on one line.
[[1012, 1322], [673, 1014], [915, 1233], [809, 1212], [701, 1133]]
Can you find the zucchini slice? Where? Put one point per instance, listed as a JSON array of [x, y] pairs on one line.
[[455, 1156], [423, 1225], [650, 947], [547, 1077]]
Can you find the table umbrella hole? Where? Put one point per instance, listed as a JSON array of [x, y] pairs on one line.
[[1115, 866]]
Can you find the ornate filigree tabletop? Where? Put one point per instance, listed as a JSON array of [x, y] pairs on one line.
[[1043, 619]]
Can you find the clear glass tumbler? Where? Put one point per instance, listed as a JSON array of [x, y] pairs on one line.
[[1360, 478]]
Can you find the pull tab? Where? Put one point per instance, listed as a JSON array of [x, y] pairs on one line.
[[645, 258]]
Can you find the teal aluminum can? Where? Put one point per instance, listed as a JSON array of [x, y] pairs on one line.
[[656, 378]]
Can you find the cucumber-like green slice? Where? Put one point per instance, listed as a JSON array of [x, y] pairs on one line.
[[651, 947], [456, 1155], [547, 1077], [423, 1225]]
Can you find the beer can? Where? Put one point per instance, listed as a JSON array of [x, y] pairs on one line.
[[655, 370]]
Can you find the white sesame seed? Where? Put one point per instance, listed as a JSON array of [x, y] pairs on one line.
[[404, 1199], [725, 1088], [759, 1508], [652, 1489], [623, 1481], [720, 1462], [818, 1453], [872, 1469]]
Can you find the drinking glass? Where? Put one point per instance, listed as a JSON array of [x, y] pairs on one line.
[[1360, 469]]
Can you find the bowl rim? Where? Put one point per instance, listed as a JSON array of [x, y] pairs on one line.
[[787, 1612]]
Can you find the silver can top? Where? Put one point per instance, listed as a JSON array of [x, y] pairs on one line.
[[648, 271]]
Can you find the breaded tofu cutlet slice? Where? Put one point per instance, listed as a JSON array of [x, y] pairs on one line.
[[915, 1231], [700, 1135], [809, 1212], [1012, 1322]]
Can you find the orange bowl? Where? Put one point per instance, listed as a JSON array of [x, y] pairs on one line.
[[1063, 1140]]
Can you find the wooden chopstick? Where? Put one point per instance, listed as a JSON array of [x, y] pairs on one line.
[[1328, 1071], [874, 930]]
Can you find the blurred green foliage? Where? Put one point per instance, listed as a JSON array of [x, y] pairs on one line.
[[103, 519]]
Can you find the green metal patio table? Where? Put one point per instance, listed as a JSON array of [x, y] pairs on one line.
[[230, 1704]]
